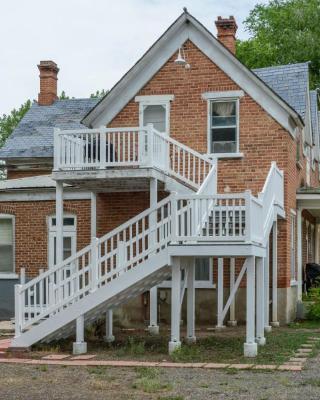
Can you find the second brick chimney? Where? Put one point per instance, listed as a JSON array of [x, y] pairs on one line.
[[48, 82], [227, 28]]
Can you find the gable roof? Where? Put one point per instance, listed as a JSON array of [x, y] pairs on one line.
[[290, 82], [184, 28], [33, 137]]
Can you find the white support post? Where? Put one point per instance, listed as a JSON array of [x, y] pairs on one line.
[[260, 338], [232, 321], [275, 322], [153, 325], [59, 222], [109, 327], [250, 347], [191, 337], [299, 253], [80, 346], [150, 144], [22, 276], [93, 215], [266, 270], [18, 313], [175, 305], [220, 295]]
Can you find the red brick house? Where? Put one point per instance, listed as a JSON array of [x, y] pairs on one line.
[[193, 177]]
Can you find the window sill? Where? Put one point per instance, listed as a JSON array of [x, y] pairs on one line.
[[293, 283], [8, 276], [225, 155]]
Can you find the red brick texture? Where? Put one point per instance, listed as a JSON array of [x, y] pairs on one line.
[[48, 82]]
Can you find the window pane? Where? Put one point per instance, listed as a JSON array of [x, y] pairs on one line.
[[156, 115], [224, 140], [202, 272], [223, 127], [67, 248], [67, 221], [6, 245]]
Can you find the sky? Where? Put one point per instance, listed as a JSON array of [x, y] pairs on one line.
[[94, 42]]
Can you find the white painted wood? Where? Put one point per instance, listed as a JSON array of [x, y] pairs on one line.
[[299, 253], [232, 318], [175, 305], [260, 338], [220, 294], [250, 346], [59, 222], [18, 310], [275, 321], [22, 276], [80, 346], [227, 94], [109, 337], [191, 337], [155, 99], [267, 326]]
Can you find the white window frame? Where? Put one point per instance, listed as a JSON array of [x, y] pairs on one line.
[[68, 231], [13, 274], [210, 97], [155, 100], [293, 249], [208, 284]]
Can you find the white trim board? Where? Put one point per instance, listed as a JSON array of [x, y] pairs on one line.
[[42, 196], [186, 28]]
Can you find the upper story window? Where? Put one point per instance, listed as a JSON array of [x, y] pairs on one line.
[[155, 110], [224, 126], [223, 122], [6, 244]]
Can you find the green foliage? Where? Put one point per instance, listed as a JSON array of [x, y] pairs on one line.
[[314, 306], [149, 381], [99, 94], [283, 32]]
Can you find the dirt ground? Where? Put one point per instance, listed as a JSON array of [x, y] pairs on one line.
[[26, 382]]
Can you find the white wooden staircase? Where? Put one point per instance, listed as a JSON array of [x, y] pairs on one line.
[[136, 256]]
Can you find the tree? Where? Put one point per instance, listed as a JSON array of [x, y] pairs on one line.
[[283, 32], [99, 94]]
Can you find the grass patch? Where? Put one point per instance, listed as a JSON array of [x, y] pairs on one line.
[[98, 370], [149, 380], [312, 382], [305, 324]]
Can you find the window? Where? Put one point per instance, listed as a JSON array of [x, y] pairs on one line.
[[223, 126], [69, 238], [6, 244], [293, 247], [155, 110]]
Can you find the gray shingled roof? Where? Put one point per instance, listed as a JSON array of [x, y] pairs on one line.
[[33, 137], [290, 82]]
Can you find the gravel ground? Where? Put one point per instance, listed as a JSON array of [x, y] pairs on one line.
[[18, 381]]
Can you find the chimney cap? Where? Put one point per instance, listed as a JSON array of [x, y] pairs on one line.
[[227, 23], [48, 64]]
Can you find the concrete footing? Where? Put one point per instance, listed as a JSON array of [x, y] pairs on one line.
[[79, 348], [250, 349], [191, 339], [109, 339], [275, 324], [173, 346], [153, 330], [232, 323], [268, 328], [261, 341]]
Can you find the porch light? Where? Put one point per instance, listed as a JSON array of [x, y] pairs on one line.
[[181, 59]]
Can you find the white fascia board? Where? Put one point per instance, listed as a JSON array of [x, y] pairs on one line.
[[228, 94], [152, 99], [41, 196]]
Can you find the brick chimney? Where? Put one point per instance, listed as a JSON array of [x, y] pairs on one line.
[[227, 28], [48, 82]]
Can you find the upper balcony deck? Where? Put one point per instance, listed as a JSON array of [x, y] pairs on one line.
[[125, 154]]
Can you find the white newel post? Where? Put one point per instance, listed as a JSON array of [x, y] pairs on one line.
[[191, 337], [266, 269], [80, 346], [150, 139], [17, 310], [299, 253], [94, 264], [59, 222], [232, 321], [275, 321], [56, 149], [23, 276], [250, 347], [153, 298], [220, 295], [175, 305], [109, 327], [260, 338]]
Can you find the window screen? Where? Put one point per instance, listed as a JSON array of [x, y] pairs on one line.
[[156, 115], [223, 120]]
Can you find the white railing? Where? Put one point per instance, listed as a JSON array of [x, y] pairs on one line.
[[97, 264], [87, 149]]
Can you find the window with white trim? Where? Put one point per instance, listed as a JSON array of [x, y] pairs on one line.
[[223, 126], [293, 266], [69, 238], [6, 244]]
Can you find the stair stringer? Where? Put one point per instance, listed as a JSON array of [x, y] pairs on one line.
[[128, 285]]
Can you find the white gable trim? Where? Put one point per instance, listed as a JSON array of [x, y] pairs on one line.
[[186, 27]]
